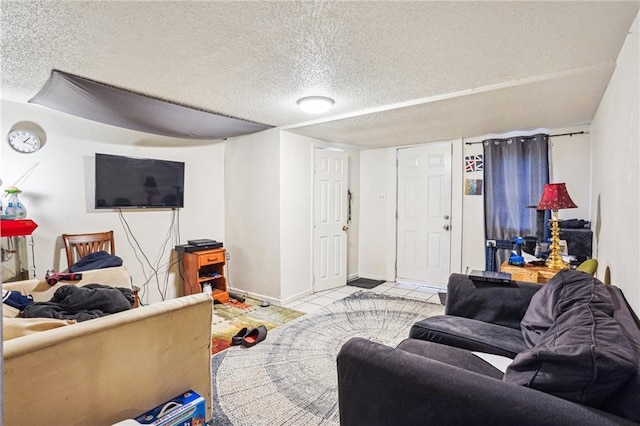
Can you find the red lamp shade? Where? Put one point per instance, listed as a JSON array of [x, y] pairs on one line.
[[555, 197]]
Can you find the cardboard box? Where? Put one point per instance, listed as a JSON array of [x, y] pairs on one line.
[[187, 409]]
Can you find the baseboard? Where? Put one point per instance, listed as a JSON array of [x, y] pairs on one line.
[[272, 300], [295, 297], [432, 286], [372, 276]]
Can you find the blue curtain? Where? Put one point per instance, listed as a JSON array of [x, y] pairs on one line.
[[515, 172]]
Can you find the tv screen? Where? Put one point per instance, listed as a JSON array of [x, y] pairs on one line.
[[127, 182]]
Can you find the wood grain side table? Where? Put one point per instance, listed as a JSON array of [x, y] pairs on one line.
[[206, 266], [532, 274]]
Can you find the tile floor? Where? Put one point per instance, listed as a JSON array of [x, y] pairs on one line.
[[315, 301]]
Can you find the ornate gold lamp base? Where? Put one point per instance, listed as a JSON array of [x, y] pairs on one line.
[[555, 260]]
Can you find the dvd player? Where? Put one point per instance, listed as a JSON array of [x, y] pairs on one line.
[[201, 242]]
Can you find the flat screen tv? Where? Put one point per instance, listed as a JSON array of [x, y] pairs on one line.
[[138, 183]]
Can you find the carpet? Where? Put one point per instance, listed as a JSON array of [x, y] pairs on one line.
[[290, 378], [365, 283], [230, 317]]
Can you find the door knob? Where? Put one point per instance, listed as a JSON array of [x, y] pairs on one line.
[[445, 227], [345, 228], [446, 217]]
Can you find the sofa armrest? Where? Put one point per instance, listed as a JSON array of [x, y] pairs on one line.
[[102, 371], [503, 304], [380, 385]]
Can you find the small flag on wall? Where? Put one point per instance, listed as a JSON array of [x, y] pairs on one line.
[[473, 163]]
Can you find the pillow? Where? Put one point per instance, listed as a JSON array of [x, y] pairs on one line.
[[17, 327], [566, 289], [13, 302], [583, 357], [16, 299]]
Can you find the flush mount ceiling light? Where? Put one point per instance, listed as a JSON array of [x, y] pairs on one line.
[[315, 104]]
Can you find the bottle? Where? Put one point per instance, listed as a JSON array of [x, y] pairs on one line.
[[15, 209]]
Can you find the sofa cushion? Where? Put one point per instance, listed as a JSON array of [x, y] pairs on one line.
[[457, 357], [501, 304], [583, 357], [566, 289], [470, 334]]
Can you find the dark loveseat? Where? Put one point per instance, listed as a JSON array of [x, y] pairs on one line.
[[576, 350]]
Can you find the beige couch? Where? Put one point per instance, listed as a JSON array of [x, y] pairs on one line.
[[102, 371]]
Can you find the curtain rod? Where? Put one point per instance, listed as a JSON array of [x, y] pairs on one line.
[[531, 137]]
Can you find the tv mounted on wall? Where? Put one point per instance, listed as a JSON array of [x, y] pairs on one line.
[[138, 183]]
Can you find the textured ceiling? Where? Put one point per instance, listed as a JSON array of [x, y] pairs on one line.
[[400, 72]]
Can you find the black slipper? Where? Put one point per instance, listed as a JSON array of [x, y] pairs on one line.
[[255, 336], [237, 339]]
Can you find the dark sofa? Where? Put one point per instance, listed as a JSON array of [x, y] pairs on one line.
[[575, 347]]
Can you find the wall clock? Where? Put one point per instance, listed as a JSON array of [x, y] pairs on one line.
[[26, 137]]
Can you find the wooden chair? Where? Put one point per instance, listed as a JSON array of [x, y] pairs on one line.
[[84, 244]]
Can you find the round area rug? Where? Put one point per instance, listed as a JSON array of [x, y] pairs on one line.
[[290, 378]]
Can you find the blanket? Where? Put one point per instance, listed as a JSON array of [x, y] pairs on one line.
[[82, 303]]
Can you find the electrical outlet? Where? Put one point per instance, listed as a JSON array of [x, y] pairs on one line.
[[382, 197], [228, 255]]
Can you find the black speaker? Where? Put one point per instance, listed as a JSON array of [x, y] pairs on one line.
[[579, 242]]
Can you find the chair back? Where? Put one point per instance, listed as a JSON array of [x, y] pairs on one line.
[[78, 246]]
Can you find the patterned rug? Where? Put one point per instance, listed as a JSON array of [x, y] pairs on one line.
[[290, 378], [230, 317]]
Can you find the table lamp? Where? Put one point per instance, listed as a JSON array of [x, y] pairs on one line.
[[554, 198]]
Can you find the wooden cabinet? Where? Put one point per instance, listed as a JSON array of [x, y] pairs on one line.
[[205, 267], [532, 274]]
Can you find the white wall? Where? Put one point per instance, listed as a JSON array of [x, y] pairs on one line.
[[377, 209], [473, 240], [57, 192], [253, 213], [615, 207], [296, 200], [571, 163]]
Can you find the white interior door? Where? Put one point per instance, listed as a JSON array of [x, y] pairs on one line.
[[424, 211], [330, 219]]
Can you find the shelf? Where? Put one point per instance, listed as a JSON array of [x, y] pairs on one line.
[[205, 279], [220, 295], [206, 266], [17, 227]]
